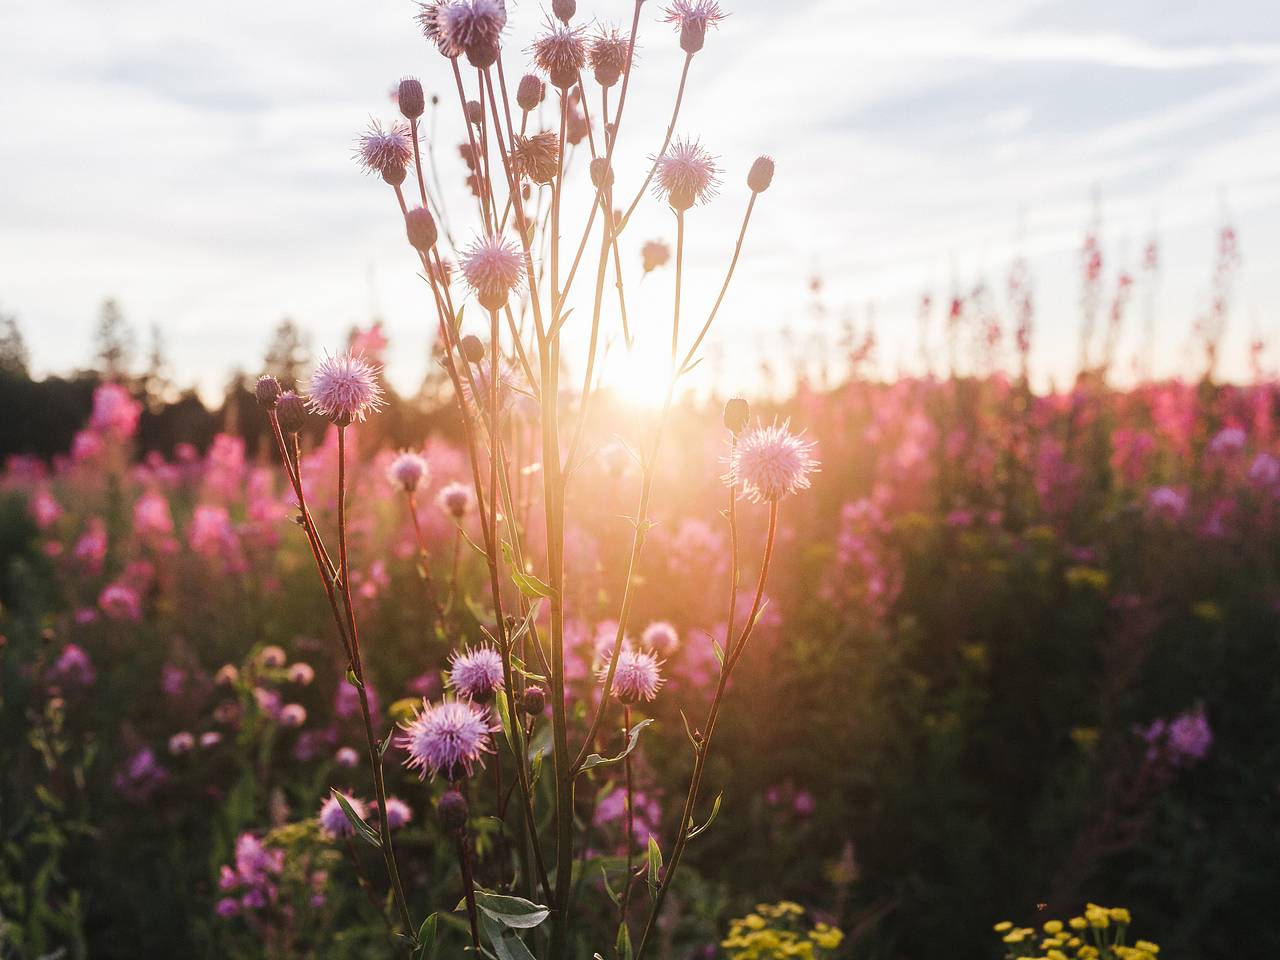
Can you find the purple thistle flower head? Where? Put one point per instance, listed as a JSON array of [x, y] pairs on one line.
[[333, 819], [344, 389], [687, 174], [660, 636], [398, 813], [476, 674], [448, 739], [771, 462], [638, 676], [431, 18], [492, 267], [386, 152], [691, 18], [473, 27], [455, 499], [408, 471], [560, 52]]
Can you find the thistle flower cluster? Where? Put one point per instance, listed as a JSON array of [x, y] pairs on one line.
[[560, 52]]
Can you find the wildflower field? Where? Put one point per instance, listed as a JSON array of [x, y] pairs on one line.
[[521, 668]]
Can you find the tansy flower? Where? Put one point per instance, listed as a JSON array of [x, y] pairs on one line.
[[448, 739], [771, 462], [686, 174], [345, 390]]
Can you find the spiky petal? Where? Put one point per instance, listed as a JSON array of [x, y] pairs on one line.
[[492, 267], [771, 462], [385, 151], [687, 174], [476, 674], [691, 18], [345, 390], [637, 677], [448, 739], [560, 52]]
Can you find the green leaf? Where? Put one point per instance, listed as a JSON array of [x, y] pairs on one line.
[[507, 945], [353, 679], [622, 945], [504, 714], [529, 585], [715, 809], [595, 760], [363, 830], [689, 733], [427, 936], [715, 645], [655, 862], [511, 911], [608, 887]]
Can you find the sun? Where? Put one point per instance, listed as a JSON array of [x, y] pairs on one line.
[[639, 376]]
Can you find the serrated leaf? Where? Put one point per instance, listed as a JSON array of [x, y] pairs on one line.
[[511, 911], [715, 809], [362, 829], [595, 760]]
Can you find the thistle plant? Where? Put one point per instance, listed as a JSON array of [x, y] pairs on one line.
[[519, 273]]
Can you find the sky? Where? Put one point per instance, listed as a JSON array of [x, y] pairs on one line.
[[193, 161]]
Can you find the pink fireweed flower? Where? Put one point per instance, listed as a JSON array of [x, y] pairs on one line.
[[660, 636], [151, 516], [115, 413], [476, 674], [638, 676], [344, 389], [210, 739], [74, 666], [686, 174], [492, 267], [398, 813], [691, 18], [333, 819], [455, 499], [408, 471], [91, 549], [45, 510], [272, 657], [448, 739], [385, 151], [560, 53], [771, 462]]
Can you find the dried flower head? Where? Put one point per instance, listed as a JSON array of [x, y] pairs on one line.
[[607, 53], [474, 27], [492, 267], [687, 174], [448, 739], [476, 674], [344, 389], [537, 157], [386, 152], [455, 499], [770, 462], [692, 17], [334, 823], [408, 471], [560, 52], [637, 677], [431, 18], [530, 92]]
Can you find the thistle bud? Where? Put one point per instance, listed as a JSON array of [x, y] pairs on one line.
[[530, 92], [760, 175], [483, 53], [420, 227], [475, 112], [736, 414], [564, 9], [472, 348], [267, 391], [693, 35], [394, 174], [534, 701], [601, 173], [291, 412], [411, 99], [452, 810]]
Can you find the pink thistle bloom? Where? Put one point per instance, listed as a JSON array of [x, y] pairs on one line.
[[408, 471], [431, 18], [607, 53], [398, 813], [560, 53], [687, 174], [120, 602], [181, 743], [227, 907], [638, 676], [210, 739], [385, 151], [660, 636], [302, 674], [455, 499], [448, 739], [346, 757], [344, 389], [293, 715], [492, 267], [691, 18], [771, 462], [333, 819], [272, 657], [74, 666], [476, 674], [473, 27]]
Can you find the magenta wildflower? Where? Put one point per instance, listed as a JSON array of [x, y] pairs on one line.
[[210, 739], [560, 53], [476, 674], [408, 471], [345, 389], [492, 267], [771, 462], [687, 174], [398, 813], [333, 819], [346, 757], [386, 152], [455, 499], [637, 676], [448, 739], [120, 602]]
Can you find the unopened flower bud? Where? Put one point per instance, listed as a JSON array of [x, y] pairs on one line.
[[452, 810], [530, 92], [420, 226], [483, 53], [475, 112], [534, 701], [394, 174], [291, 412], [736, 414], [472, 348], [601, 171], [564, 9], [410, 98], [267, 391], [760, 175]]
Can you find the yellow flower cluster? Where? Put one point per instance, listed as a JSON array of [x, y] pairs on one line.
[[1097, 935], [778, 931]]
